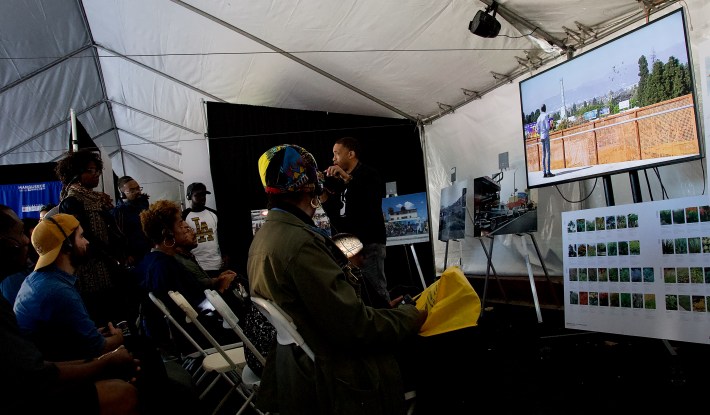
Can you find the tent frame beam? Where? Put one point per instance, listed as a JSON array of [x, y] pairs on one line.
[[600, 34], [149, 142]]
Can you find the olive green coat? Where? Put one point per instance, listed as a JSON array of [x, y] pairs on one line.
[[355, 371]]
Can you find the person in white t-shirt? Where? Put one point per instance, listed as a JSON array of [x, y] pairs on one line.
[[204, 221]]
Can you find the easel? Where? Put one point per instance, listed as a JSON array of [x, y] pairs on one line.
[[416, 261], [532, 278], [489, 268]]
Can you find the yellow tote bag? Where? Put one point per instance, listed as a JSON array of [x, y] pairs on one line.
[[451, 302]]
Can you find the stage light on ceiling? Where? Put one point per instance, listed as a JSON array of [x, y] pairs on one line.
[[484, 24]]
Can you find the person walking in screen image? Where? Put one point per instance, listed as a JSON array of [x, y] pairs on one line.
[[296, 265], [543, 128], [353, 203]]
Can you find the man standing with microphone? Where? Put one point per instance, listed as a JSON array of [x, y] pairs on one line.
[[353, 202]]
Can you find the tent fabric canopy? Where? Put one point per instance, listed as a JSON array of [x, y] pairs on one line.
[[138, 73]]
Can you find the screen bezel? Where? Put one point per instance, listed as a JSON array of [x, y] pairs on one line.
[[650, 163]]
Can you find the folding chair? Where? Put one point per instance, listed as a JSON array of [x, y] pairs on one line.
[[232, 321], [287, 333], [248, 376], [234, 358], [213, 361]]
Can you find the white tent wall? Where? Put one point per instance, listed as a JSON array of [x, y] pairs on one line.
[[155, 183], [471, 138], [197, 169]]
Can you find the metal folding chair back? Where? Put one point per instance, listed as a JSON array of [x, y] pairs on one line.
[[286, 330], [234, 358], [232, 321]]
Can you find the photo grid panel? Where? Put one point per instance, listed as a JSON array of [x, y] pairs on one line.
[[641, 269]]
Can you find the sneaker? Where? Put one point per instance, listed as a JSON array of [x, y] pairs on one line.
[[546, 175], [550, 175]]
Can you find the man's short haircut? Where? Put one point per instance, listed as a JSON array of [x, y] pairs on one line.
[[351, 144], [543, 108]]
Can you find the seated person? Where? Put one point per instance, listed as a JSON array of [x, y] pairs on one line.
[[50, 311], [11, 285], [34, 385], [160, 272], [49, 308]]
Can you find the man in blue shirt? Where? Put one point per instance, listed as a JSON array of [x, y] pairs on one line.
[[49, 308], [543, 128], [31, 384]]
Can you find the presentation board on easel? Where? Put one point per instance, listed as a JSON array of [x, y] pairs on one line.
[[641, 269], [452, 211], [406, 219]]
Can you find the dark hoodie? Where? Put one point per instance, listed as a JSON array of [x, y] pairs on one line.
[[127, 215]]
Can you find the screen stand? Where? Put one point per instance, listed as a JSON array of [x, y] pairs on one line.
[[635, 186], [608, 190]]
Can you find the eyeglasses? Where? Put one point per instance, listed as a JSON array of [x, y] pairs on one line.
[[134, 190], [92, 170]]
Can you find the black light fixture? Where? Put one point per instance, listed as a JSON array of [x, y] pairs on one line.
[[484, 24]]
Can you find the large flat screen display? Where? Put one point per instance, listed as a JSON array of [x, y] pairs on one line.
[[628, 104]]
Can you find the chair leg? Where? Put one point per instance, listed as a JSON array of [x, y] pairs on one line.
[[224, 399], [247, 403], [204, 393], [410, 398]]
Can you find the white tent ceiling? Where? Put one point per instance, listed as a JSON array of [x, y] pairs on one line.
[[137, 71]]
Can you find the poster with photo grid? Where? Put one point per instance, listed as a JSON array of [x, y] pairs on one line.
[[641, 269]]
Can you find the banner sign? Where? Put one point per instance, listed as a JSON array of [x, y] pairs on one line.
[[27, 198]]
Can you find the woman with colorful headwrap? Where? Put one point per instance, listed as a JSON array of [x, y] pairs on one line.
[[292, 262]]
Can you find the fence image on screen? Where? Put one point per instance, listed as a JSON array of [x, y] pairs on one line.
[[452, 213], [625, 105]]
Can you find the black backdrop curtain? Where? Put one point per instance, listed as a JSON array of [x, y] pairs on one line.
[[240, 134]]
